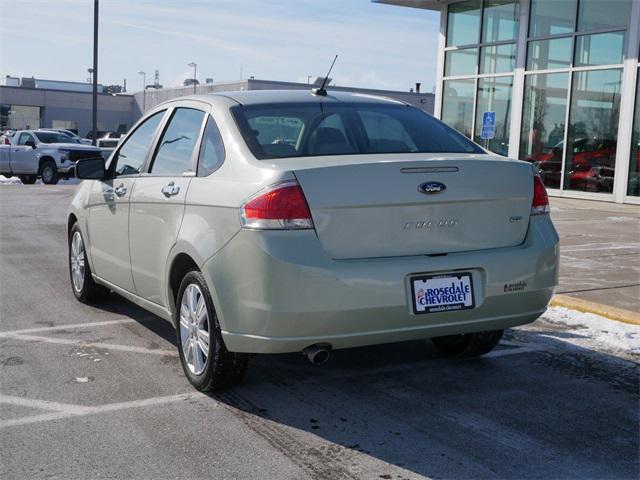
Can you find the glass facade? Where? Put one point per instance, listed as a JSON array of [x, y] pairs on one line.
[[572, 76], [592, 137], [494, 95], [457, 108], [543, 120], [633, 182]]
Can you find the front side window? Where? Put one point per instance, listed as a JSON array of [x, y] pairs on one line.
[[133, 153], [175, 148], [211, 150], [346, 129]]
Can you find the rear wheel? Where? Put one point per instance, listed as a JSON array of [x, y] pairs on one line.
[[207, 363], [49, 172], [82, 284], [28, 179], [468, 344]]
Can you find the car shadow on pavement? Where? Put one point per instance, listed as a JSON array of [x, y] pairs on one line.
[[545, 409]]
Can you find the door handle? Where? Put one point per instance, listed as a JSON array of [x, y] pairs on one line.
[[170, 189], [120, 191]]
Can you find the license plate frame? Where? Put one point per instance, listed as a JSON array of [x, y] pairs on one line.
[[463, 279]]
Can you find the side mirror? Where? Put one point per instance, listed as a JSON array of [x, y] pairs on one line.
[[90, 168], [30, 143]]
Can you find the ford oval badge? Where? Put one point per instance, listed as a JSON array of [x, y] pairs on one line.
[[432, 187]]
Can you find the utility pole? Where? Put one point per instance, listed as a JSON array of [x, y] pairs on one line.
[[195, 69], [95, 72], [144, 90]]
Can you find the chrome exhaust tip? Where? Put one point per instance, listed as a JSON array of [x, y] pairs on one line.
[[317, 354]]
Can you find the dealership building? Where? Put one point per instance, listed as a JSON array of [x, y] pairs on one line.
[[553, 82]]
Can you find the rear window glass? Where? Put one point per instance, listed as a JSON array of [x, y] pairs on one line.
[[314, 129]]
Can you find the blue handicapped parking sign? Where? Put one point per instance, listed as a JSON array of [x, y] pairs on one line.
[[488, 125]]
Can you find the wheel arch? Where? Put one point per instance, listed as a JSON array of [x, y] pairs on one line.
[[43, 159], [181, 264]]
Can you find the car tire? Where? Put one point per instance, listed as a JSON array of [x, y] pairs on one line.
[[28, 179], [196, 321], [468, 344], [49, 172], [82, 284]]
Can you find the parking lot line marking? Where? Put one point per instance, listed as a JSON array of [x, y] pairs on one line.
[[84, 343], [67, 327], [80, 411], [41, 404]]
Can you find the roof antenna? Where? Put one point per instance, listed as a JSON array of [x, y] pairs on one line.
[[321, 91]]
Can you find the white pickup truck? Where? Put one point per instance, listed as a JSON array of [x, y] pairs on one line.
[[42, 154]]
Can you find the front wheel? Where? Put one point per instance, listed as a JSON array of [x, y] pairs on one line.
[[207, 363], [82, 284], [468, 344], [49, 173]]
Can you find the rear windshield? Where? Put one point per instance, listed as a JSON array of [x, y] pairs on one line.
[[313, 129]]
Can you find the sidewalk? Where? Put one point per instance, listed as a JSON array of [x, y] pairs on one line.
[[600, 251]]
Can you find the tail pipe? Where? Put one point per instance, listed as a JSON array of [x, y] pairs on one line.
[[318, 353]]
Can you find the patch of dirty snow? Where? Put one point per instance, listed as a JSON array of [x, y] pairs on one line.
[[9, 181], [613, 334]]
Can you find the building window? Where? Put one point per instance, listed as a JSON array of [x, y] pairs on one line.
[[479, 62], [552, 17], [633, 183], [457, 106], [603, 14], [494, 95], [543, 120], [583, 42], [593, 131], [499, 20], [463, 23]]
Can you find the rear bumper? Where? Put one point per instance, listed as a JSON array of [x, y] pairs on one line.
[[279, 292]]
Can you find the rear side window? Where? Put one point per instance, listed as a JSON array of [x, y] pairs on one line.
[[175, 148], [211, 150], [319, 128], [133, 152]]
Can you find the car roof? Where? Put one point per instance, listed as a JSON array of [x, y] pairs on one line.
[[261, 97], [257, 97]]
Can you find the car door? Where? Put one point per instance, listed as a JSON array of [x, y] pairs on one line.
[[23, 154], [108, 205], [158, 199]]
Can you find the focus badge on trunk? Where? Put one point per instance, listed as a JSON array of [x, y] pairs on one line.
[[432, 187]]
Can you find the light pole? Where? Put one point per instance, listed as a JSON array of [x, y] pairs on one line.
[[144, 90], [195, 69], [94, 95]]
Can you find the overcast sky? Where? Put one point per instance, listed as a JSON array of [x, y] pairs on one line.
[[379, 46]]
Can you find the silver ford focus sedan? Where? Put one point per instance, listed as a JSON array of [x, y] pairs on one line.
[[284, 221]]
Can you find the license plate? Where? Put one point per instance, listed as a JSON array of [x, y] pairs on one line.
[[442, 293]]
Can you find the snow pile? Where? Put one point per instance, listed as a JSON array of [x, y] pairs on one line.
[[9, 181], [614, 334]]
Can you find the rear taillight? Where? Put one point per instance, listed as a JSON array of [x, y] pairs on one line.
[[280, 207], [540, 203]]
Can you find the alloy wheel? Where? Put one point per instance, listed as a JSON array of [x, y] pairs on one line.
[[77, 262], [194, 329]]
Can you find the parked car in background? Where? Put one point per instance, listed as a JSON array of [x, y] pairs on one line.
[[44, 154], [271, 222], [99, 134]]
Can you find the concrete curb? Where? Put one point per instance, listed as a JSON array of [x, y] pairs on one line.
[[612, 313]]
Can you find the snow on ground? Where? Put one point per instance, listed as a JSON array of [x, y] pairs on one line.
[[9, 181], [594, 328]]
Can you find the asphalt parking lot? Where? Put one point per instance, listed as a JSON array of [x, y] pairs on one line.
[[98, 392]]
